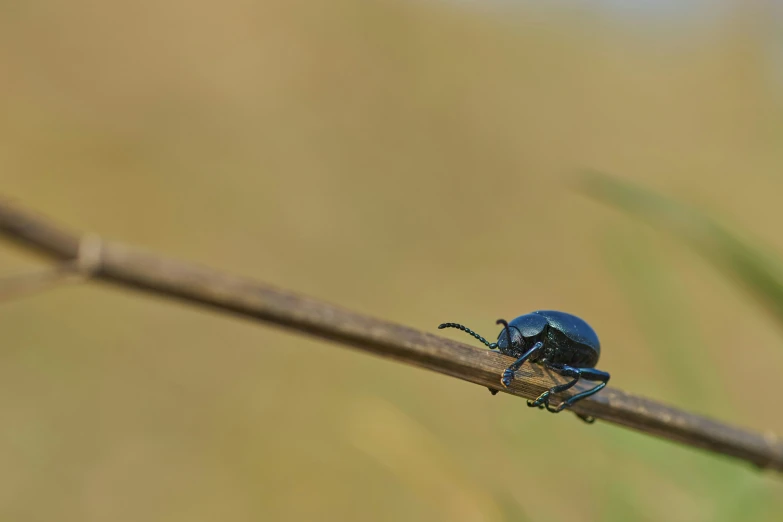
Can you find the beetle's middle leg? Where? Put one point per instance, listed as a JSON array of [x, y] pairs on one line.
[[564, 370], [590, 374]]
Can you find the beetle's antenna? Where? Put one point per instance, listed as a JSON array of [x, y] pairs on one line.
[[508, 332], [489, 345]]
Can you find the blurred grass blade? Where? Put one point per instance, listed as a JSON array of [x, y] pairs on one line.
[[510, 508], [760, 272], [654, 292]]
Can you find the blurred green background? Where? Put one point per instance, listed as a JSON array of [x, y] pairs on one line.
[[409, 160]]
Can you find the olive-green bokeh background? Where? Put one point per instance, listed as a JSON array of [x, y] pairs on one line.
[[409, 160]]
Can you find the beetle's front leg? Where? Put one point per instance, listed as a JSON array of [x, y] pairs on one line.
[[508, 374]]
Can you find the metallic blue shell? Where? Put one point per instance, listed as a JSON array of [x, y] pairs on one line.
[[567, 339], [573, 327]]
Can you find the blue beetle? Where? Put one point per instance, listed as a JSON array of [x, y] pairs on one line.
[[559, 341]]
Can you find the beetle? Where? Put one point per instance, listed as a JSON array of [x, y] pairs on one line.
[[559, 341]]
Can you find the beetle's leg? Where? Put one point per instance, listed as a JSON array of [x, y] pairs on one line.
[[567, 371], [591, 374], [508, 374]]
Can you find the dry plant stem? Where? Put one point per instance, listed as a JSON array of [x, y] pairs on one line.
[[133, 267]]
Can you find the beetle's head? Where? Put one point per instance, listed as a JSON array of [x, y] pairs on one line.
[[510, 340]]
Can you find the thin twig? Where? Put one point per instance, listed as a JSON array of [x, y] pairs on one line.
[[133, 267], [80, 268]]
